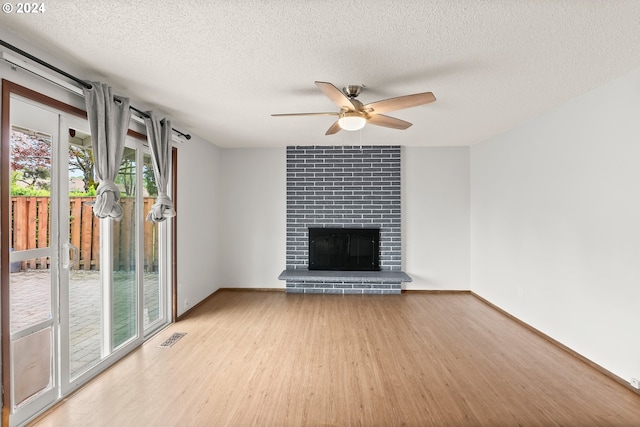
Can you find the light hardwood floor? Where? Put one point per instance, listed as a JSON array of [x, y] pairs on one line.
[[275, 359]]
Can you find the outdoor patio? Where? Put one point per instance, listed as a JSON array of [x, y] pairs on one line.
[[31, 304]]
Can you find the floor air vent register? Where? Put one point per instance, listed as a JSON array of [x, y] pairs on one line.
[[172, 339]]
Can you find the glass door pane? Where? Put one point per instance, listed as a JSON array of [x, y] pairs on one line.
[[30, 277], [85, 286], [30, 292], [153, 291], [125, 282]]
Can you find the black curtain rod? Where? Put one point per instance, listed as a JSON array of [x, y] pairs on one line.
[[74, 78]]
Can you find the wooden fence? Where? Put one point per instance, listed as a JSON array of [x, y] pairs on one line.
[[30, 226]]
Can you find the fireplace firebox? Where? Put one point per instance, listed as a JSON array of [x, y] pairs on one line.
[[346, 249]]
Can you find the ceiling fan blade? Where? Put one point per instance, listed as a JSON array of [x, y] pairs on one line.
[[335, 128], [388, 122], [305, 114], [399, 103], [336, 95]]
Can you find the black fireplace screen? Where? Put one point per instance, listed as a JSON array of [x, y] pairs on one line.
[[352, 249]]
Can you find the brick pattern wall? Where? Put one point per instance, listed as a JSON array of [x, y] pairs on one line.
[[342, 287], [343, 186]]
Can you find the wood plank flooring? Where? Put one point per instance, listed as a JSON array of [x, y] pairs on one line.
[[275, 359]]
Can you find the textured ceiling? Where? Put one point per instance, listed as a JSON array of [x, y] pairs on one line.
[[218, 69]]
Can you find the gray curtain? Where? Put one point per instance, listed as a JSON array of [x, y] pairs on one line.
[[159, 135], [109, 122]]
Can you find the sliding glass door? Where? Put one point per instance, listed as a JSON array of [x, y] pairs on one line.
[[82, 291]]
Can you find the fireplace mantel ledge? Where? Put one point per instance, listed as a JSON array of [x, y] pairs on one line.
[[364, 276]]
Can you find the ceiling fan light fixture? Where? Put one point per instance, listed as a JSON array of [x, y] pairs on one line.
[[351, 121]]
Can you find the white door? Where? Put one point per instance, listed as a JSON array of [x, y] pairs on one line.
[[34, 259]]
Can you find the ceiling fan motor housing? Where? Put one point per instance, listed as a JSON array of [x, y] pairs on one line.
[[352, 90]]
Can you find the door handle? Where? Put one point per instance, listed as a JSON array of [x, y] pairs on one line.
[[67, 260]]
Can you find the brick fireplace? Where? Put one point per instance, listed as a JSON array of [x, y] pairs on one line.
[[343, 187]]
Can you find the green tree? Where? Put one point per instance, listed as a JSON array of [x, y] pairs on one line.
[[149, 180], [81, 160], [31, 157]]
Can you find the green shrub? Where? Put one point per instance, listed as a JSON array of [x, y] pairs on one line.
[[33, 192]]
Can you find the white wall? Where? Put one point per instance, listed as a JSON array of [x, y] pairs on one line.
[[198, 248], [252, 217], [555, 209], [435, 217]]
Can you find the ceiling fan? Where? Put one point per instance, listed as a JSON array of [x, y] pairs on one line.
[[353, 115]]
